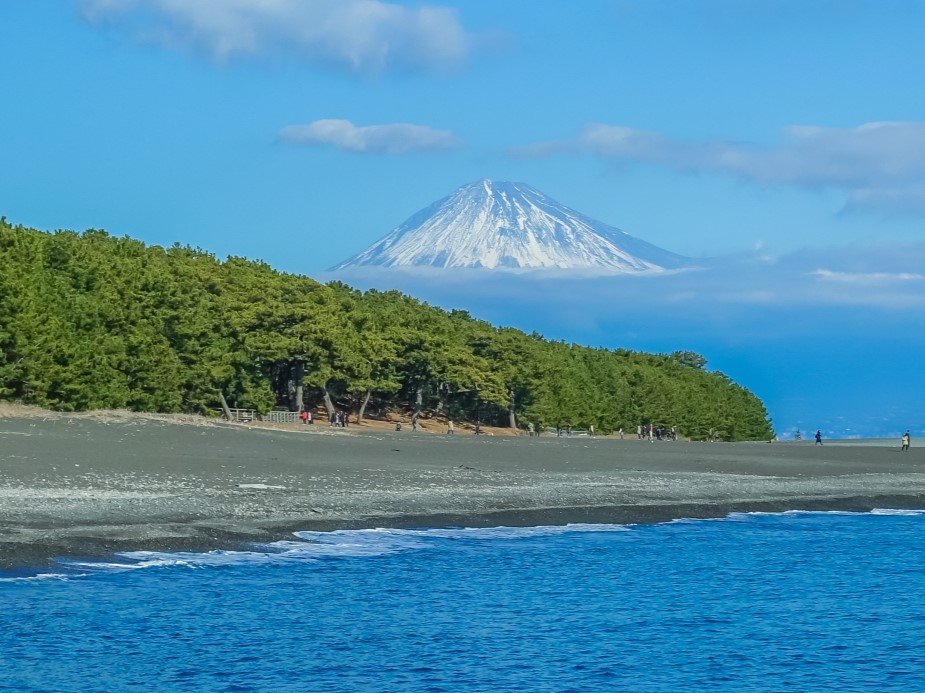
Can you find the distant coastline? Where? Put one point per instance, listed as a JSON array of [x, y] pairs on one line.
[[93, 485]]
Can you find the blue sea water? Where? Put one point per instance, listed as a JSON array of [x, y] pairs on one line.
[[751, 602]]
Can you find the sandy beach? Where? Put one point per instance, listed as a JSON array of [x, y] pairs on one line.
[[92, 486]]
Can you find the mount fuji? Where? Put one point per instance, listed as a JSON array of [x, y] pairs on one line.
[[501, 225]]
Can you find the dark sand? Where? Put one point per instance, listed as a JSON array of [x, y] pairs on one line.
[[87, 487]]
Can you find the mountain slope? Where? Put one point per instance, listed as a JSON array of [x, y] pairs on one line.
[[510, 225]]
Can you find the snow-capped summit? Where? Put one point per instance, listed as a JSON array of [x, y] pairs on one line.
[[510, 225]]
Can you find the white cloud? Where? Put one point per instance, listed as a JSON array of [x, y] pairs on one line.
[[363, 36], [814, 156], [397, 138], [897, 200], [868, 154], [881, 165], [868, 277], [885, 279]]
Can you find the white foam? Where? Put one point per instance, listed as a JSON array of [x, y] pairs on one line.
[[368, 542], [875, 511], [480, 533], [41, 577], [747, 516], [785, 513], [313, 546]]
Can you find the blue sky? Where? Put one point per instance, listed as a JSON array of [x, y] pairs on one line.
[[300, 131]]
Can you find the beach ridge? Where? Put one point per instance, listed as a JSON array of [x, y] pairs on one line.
[[91, 486]]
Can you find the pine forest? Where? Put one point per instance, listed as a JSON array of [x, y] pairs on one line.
[[91, 321]]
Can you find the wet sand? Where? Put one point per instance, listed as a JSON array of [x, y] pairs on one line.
[[73, 486]]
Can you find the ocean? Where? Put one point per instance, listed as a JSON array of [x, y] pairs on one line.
[[751, 602]]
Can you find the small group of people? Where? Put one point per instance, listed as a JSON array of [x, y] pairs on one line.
[[652, 432], [338, 418]]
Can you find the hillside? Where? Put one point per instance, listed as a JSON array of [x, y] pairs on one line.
[[89, 321]]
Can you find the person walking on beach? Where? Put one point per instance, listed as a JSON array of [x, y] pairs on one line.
[[818, 437], [414, 423], [449, 428], [905, 441], [303, 415]]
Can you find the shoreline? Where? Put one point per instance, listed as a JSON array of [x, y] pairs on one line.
[[89, 487]]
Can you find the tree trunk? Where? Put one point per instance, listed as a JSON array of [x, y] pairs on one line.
[[512, 415], [362, 412], [419, 399], [225, 410], [328, 404], [298, 372]]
